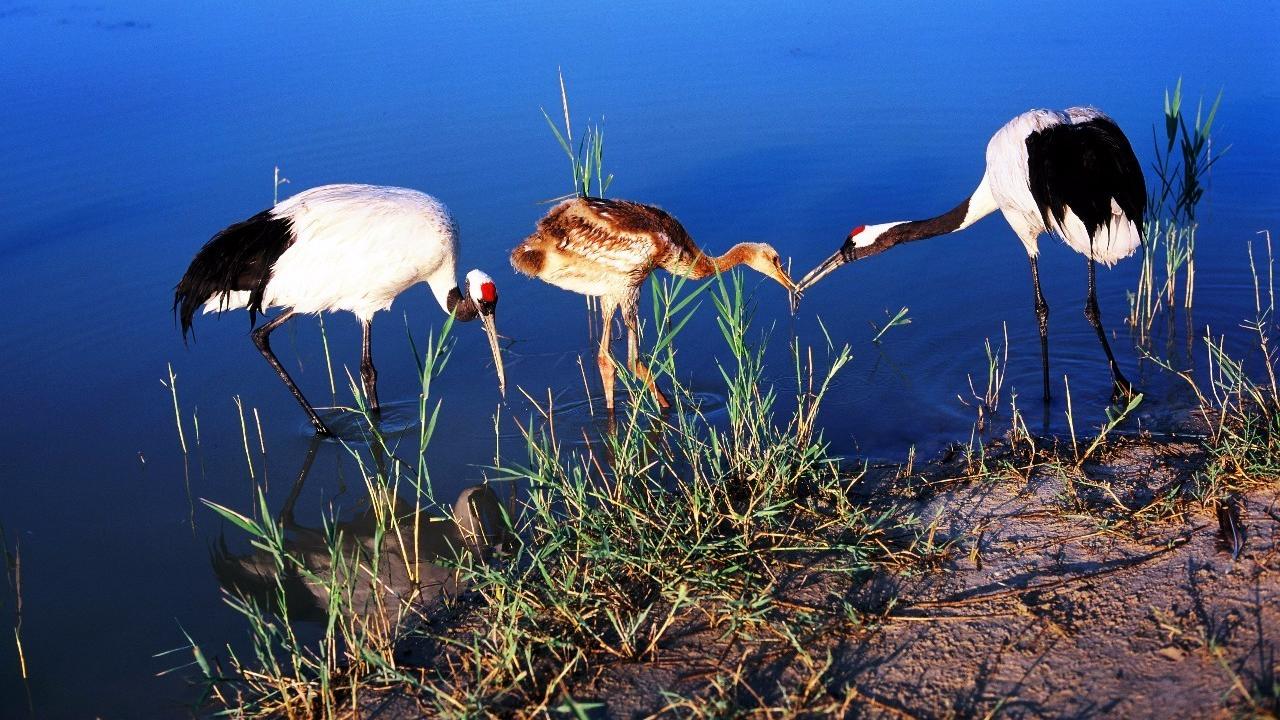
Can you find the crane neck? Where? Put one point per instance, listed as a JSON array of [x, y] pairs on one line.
[[758, 256], [444, 287], [972, 209], [463, 309], [706, 265], [975, 207], [867, 240], [948, 222]]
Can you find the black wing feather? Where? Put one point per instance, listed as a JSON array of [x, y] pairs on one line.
[[1082, 167], [239, 257]]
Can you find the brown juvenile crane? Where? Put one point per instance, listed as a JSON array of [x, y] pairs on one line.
[[606, 248]]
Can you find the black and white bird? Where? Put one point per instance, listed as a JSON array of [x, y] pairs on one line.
[[330, 248], [1071, 173]]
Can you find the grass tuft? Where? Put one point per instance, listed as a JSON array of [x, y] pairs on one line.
[[586, 161], [1182, 164], [667, 516]]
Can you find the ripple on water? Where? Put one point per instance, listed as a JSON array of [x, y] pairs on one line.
[[572, 417], [395, 420]]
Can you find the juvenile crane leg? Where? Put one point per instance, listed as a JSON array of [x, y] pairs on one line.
[[368, 375], [1042, 317], [1120, 387], [631, 316], [261, 338], [603, 359]]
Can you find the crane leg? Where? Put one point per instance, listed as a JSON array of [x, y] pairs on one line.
[[603, 359], [631, 316], [1120, 387], [368, 374], [261, 338], [286, 512], [1042, 317]]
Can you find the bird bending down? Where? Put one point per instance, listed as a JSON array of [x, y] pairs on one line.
[[606, 248], [1071, 173], [336, 247]]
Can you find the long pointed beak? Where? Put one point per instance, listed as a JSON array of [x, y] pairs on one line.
[[491, 329], [816, 274], [779, 274], [784, 279]]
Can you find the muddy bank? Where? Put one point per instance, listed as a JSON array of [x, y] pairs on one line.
[[1029, 587]]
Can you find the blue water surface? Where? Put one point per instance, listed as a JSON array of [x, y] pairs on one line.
[[132, 131]]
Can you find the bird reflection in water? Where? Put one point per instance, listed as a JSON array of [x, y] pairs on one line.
[[409, 572]]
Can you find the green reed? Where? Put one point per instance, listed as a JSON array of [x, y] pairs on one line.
[[665, 512], [365, 617], [586, 161], [1182, 164]]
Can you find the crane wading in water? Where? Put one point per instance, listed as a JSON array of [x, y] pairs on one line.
[[606, 248], [1071, 173], [330, 248]]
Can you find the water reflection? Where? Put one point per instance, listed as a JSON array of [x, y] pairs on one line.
[[341, 552], [395, 419], [179, 125]]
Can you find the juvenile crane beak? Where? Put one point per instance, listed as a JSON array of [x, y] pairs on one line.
[[782, 278], [793, 294], [491, 329], [776, 272]]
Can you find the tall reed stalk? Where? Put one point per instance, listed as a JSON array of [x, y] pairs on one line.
[[1239, 395], [1182, 164], [367, 608], [586, 163]]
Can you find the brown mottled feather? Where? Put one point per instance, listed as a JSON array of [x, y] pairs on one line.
[[605, 247]]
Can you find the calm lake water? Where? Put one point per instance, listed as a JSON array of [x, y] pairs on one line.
[[133, 131]]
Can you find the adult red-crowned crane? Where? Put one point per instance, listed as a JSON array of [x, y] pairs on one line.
[[336, 247], [606, 248], [1071, 173]]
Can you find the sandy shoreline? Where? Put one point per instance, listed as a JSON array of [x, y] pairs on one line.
[[1023, 600]]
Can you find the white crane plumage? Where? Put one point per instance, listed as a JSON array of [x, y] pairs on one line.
[[331, 248], [1071, 173]]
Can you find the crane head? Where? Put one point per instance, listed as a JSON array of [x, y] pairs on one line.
[[766, 261], [483, 291], [762, 258], [862, 236]]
